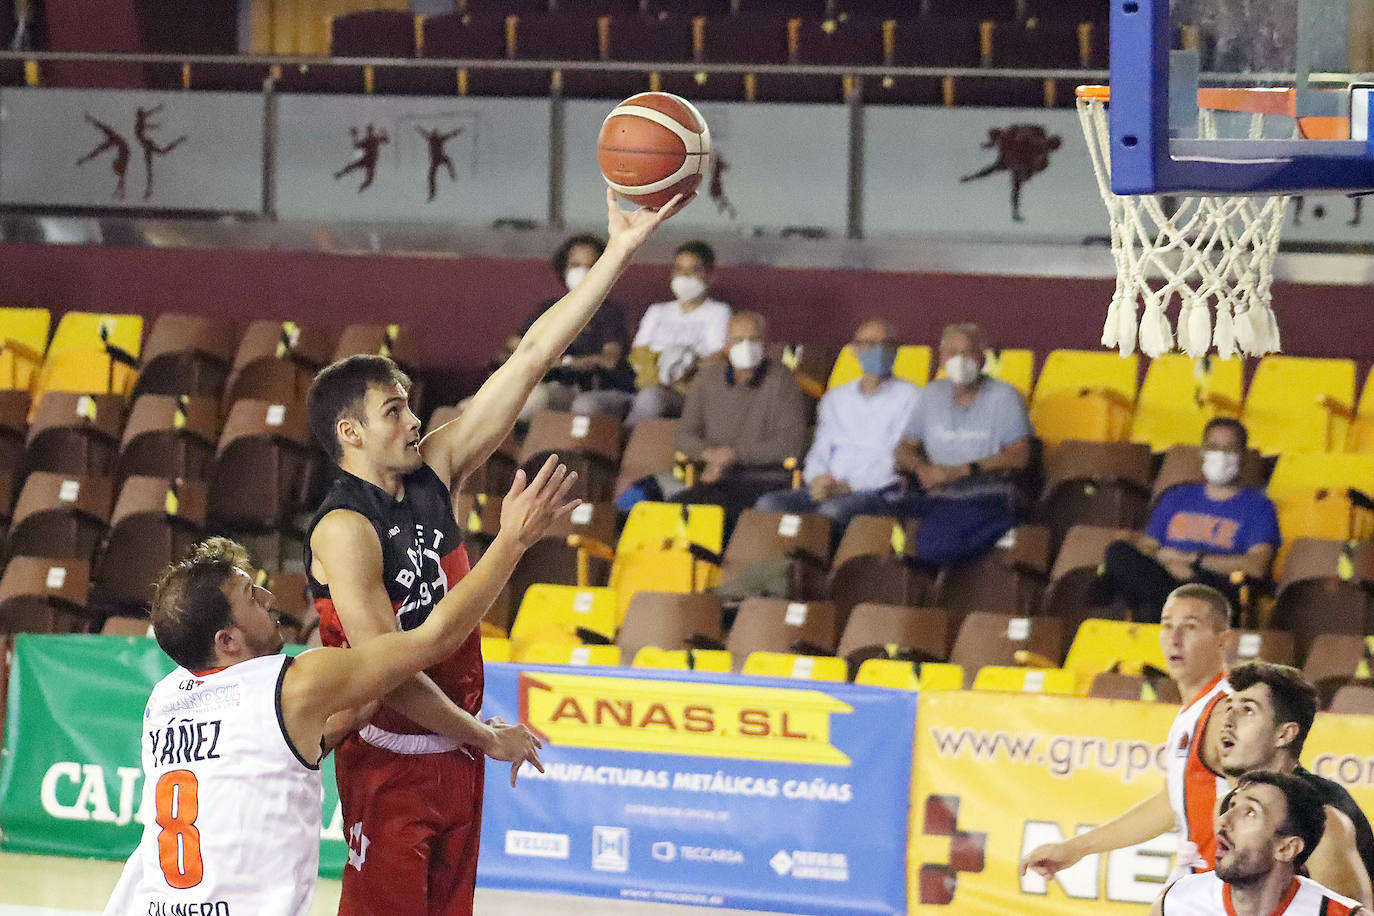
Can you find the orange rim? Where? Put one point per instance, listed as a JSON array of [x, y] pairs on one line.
[[1255, 100], [1094, 93]]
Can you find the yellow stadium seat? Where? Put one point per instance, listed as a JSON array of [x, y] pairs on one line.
[[940, 676], [1180, 395], [553, 613], [887, 672], [806, 667], [1360, 436], [495, 649], [1086, 395], [912, 363], [79, 356], [559, 653], [1309, 492], [1296, 404], [23, 341], [715, 660], [1015, 367], [1100, 645], [1024, 680]]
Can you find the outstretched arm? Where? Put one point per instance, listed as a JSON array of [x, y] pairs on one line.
[[456, 449], [1336, 861], [1145, 821]]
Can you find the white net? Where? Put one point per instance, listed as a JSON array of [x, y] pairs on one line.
[[1209, 260]]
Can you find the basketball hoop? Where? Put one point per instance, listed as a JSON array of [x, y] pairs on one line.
[[1210, 253]]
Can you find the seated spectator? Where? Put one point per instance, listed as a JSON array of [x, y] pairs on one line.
[[742, 419], [849, 470], [674, 337], [965, 441], [594, 376], [1198, 532]]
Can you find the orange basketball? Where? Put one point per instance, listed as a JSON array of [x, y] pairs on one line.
[[652, 146]]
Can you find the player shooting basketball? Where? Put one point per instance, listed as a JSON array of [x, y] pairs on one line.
[[385, 546]]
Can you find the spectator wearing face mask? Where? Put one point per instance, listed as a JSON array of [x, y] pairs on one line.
[[593, 376], [1200, 532], [674, 336], [741, 421], [964, 442], [849, 470]]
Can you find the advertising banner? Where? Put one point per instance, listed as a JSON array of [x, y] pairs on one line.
[[704, 789]]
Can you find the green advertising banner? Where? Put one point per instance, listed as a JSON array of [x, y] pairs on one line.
[[70, 780]]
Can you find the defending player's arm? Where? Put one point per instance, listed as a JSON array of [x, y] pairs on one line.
[[456, 449], [346, 545], [1145, 821], [1336, 861]]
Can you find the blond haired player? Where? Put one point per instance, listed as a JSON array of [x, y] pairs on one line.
[[232, 739], [1195, 635]]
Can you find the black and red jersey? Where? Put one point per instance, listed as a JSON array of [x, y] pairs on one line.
[[422, 558]]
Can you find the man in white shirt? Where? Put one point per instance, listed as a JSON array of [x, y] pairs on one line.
[[674, 336], [849, 470]]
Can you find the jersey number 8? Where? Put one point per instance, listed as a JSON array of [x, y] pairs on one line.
[[178, 845]]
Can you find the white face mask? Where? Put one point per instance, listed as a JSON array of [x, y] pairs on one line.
[[746, 355], [574, 276], [1220, 468], [962, 369], [686, 287]]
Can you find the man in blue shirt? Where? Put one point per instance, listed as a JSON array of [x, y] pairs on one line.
[[849, 469], [1198, 532]]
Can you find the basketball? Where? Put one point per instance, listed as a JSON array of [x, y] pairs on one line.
[[653, 146]]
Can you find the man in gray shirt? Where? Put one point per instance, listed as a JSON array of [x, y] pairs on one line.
[[967, 437]]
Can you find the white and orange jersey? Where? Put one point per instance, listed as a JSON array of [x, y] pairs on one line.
[[233, 811], [1194, 789], [1207, 895]]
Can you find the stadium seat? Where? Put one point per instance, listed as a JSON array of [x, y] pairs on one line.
[[878, 579], [831, 43], [1026, 45], [556, 559], [803, 667], [170, 436], [870, 536], [1110, 686], [649, 451], [495, 649], [1004, 679], [263, 465], [561, 36], [912, 364], [1336, 659], [390, 340], [924, 630], [1180, 394], [1183, 464], [60, 515], [43, 595], [554, 613], [586, 443], [988, 638], [658, 9], [915, 43], [1096, 483], [185, 355], [470, 36], [22, 346], [806, 9], [117, 625], [155, 523], [90, 353], [561, 653], [14, 428], [1073, 10], [369, 33], [276, 361], [1358, 438], [73, 433], [890, 673], [1011, 576], [733, 40], [641, 38], [1298, 404], [669, 621], [1075, 572], [990, 10], [801, 539], [712, 660], [1116, 646], [1325, 587], [1277, 646], [1353, 699], [776, 625], [1082, 394], [1310, 490]]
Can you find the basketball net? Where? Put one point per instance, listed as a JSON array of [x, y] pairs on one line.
[[1208, 254]]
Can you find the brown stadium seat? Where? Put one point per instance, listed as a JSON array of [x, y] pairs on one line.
[[1072, 10], [927, 43], [156, 522], [1336, 659], [60, 515], [997, 639], [186, 354], [394, 341], [641, 38], [586, 443], [480, 35], [126, 626], [668, 621], [553, 558], [923, 629], [276, 361], [807, 9], [14, 427], [989, 10], [880, 580], [732, 40], [1183, 464], [778, 625], [371, 33], [800, 540], [649, 451], [1111, 686], [227, 77], [1074, 573], [1011, 576], [1324, 588], [561, 36], [1275, 646], [831, 43], [869, 536], [43, 595], [1028, 45], [660, 8], [170, 436], [263, 465], [1096, 483], [74, 433], [1353, 699]]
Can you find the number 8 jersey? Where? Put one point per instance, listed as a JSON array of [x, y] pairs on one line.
[[232, 811]]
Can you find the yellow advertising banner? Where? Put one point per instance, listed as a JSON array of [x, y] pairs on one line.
[[997, 775]]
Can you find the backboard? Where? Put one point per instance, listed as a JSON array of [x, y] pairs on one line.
[[1240, 96]]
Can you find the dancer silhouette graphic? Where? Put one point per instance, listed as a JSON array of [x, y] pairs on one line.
[[115, 141], [144, 125], [369, 146], [439, 156]]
